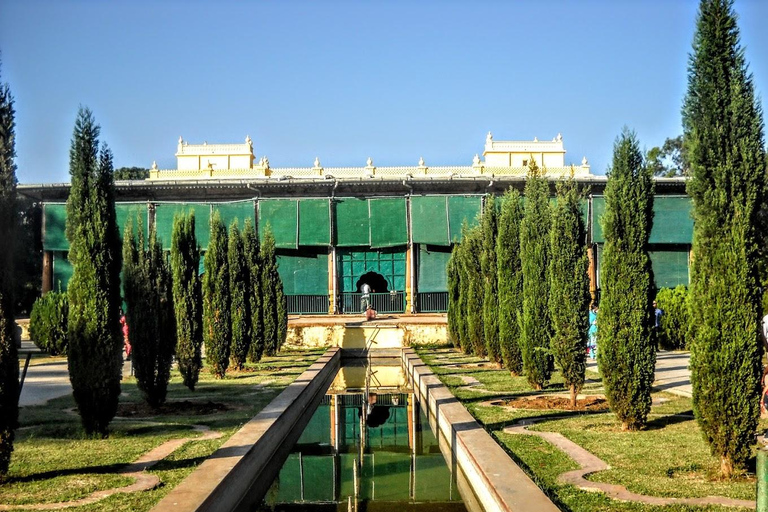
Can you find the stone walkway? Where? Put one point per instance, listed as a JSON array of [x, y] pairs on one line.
[[143, 481], [591, 464], [672, 373]]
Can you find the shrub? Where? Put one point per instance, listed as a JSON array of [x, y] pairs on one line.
[[217, 320], [673, 333], [48, 323]]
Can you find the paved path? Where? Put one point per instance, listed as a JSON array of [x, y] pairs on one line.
[[672, 373]]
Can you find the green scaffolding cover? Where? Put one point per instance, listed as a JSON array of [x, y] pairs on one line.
[[431, 270], [461, 208], [389, 226], [672, 221], [314, 222], [137, 213], [352, 222], [670, 268], [429, 220], [62, 271], [282, 217], [164, 214], [54, 233], [230, 212], [303, 273]]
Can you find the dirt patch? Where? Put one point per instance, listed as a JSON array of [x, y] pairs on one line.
[[182, 408], [472, 366], [590, 403]]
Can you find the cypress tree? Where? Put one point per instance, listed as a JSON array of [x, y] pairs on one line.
[[9, 359], [535, 327], [239, 286], [472, 244], [187, 298], [149, 313], [282, 314], [723, 135], [454, 287], [253, 261], [627, 354], [95, 340], [217, 318], [269, 285], [569, 287], [510, 280], [489, 223]]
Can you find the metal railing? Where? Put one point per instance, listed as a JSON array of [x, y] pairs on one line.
[[307, 304], [432, 302], [391, 302]]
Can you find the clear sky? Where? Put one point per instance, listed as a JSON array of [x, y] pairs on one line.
[[394, 80]]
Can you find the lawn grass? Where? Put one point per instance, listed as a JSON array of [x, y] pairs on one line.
[[669, 458], [55, 461]]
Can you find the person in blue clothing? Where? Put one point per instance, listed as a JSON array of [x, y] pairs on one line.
[[592, 343]]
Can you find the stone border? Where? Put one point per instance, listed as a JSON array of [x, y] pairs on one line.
[[498, 483], [241, 471]]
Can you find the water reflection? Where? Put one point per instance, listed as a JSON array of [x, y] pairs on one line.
[[368, 447]]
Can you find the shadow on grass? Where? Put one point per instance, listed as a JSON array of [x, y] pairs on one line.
[[671, 419], [87, 470]]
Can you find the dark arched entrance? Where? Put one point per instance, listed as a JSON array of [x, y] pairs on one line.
[[376, 281]]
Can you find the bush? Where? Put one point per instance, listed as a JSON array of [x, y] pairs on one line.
[[673, 332], [48, 323]]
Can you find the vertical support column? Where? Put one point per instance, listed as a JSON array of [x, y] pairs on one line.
[[410, 303], [47, 271], [332, 282]]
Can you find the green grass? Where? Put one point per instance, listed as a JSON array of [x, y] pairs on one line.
[[55, 461], [669, 458]]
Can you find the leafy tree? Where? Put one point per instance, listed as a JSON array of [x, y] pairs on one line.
[[187, 298], [569, 286], [131, 173], [510, 280], [217, 318], [489, 226], [48, 323], [674, 322], [670, 159], [535, 325], [95, 340], [269, 285], [627, 354], [149, 313], [240, 289], [255, 294], [454, 287], [472, 288], [723, 133], [9, 359]]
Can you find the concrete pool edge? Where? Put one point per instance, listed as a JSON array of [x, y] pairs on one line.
[[497, 482], [225, 478]]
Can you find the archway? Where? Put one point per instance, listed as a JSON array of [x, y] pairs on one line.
[[376, 281]]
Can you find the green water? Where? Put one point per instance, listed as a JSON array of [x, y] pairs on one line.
[[384, 457]]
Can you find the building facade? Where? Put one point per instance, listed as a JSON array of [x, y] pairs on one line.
[[337, 228]]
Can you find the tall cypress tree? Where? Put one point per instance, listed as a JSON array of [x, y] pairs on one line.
[[255, 294], [269, 283], [723, 134], [627, 354], [510, 279], [535, 327], [239, 286], [187, 298], [454, 287], [9, 359], [472, 246], [489, 224], [217, 318], [282, 314], [95, 340], [147, 288], [569, 287]]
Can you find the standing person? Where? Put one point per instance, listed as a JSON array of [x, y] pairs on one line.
[[592, 347], [657, 314], [365, 299], [126, 341]]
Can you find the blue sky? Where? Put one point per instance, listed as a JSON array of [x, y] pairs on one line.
[[393, 80]]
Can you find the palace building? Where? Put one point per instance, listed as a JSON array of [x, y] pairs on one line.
[[337, 228]]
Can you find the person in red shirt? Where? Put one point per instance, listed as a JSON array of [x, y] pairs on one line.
[[126, 341]]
